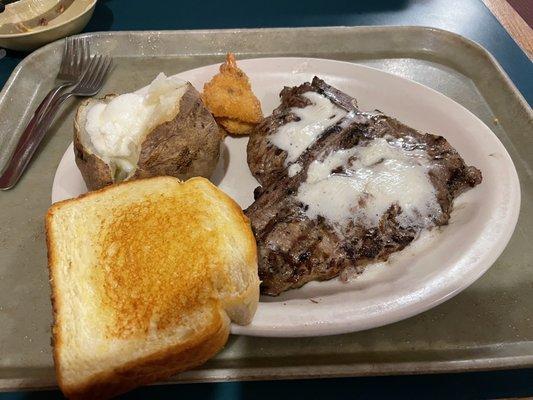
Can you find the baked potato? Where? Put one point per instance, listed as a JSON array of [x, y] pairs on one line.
[[162, 129]]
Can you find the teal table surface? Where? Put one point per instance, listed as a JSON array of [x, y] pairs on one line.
[[478, 385], [469, 18]]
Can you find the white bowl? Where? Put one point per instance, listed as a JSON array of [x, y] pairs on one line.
[[28, 12]]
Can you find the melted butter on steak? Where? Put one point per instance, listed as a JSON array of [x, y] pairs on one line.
[[361, 183], [381, 181]]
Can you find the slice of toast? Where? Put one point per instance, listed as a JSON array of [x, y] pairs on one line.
[[146, 276]]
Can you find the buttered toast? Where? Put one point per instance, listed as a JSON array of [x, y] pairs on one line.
[[146, 277]]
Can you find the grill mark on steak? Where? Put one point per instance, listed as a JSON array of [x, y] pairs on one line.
[[293, 249], [266, 161]]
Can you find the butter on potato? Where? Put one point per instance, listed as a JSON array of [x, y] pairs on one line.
[[161, 129]]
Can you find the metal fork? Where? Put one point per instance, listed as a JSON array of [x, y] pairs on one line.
[[90, 84], [76, 57]]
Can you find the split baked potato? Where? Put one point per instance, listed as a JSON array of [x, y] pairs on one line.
[[162, 129]]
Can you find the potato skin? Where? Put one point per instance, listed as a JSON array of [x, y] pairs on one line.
[[95, 172], [186, 146]]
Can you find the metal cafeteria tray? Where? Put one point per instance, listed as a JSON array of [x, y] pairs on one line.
[[488, 326]]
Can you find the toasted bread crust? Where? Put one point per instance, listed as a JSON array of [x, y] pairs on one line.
[[163, 364], [252, 256], [154, 368], [52, 257]]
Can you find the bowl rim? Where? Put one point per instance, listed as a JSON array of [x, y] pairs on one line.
[[91, 4]]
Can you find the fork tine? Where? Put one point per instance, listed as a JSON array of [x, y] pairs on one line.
[[90, 72], [96, 72], [75, 53], [78, 52], [103, 72], [81, 50], [72, 55], [84, 78], [70, 48], [67, 54], [86, 53]]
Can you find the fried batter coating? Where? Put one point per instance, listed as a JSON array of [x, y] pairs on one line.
[[229, 96], [234, 126]]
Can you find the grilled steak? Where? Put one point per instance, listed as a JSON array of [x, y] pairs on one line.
[[296, 246], [266, 161]]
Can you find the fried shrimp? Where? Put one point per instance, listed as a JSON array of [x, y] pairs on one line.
[[230, 99]]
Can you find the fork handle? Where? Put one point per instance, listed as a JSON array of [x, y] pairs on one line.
[[25, 150], [39, 112]]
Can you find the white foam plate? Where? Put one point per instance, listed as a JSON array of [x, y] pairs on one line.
[[432, 269]]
